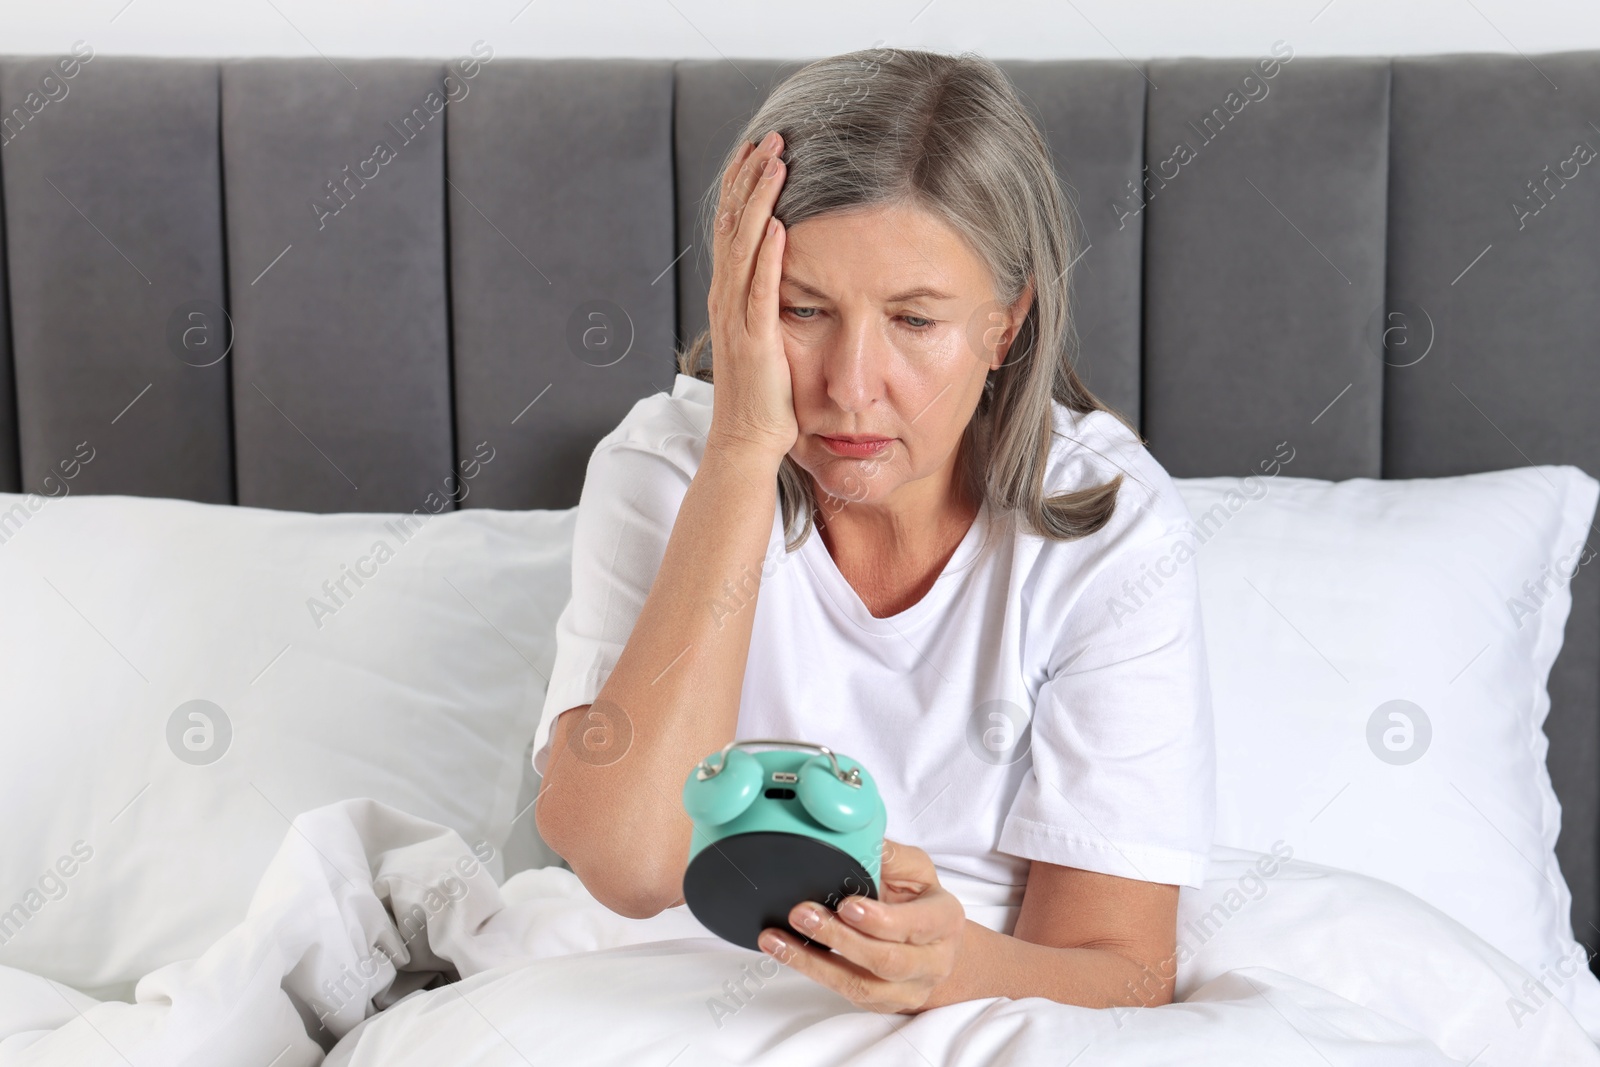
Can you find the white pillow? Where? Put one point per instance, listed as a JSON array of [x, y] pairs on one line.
[[418, 683], [1379, 697]]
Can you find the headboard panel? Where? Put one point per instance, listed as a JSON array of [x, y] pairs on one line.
[[341, 370], [561, 244], [1501, 278], [10, 464], [479, 285], [713, 100], [113, 222], [1092, 116], [1264, 265]]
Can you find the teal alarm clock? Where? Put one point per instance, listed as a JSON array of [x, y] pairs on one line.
[[774, 828]]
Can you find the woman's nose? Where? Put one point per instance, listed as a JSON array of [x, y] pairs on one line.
[[854, 367]]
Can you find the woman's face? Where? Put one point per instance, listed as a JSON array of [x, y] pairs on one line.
[[890, 324]]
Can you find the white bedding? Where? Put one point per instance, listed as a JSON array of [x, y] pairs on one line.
[[1310, 966]]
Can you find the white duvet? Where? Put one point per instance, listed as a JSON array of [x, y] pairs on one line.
[[376, 938]]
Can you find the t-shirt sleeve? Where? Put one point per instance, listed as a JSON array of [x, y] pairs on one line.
[[1123, 776], [630, 500]]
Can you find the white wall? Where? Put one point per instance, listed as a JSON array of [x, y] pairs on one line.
[[727, 28]]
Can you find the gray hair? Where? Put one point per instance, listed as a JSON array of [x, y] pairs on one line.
[[949, 135]]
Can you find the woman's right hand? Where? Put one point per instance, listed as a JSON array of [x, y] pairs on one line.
[[753, 401]]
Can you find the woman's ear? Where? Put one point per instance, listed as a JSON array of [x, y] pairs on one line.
[[1015, 316]]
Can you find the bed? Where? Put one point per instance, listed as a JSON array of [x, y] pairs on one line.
[[263, 314]]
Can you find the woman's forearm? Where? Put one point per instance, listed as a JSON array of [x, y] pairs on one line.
[[992, 964], [619, 821]]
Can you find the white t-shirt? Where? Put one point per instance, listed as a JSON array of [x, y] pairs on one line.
[[1044, 700]]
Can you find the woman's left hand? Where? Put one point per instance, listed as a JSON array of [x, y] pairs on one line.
[[891, 954]]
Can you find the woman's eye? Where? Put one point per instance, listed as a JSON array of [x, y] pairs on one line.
[[809, 314]]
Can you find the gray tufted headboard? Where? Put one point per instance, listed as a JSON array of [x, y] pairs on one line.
[[389, 309]]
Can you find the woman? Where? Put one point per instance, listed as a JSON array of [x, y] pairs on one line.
[[988, 620]]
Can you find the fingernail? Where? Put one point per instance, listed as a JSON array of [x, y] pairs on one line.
[[768, 167], [770, 139], [810, 918], [773, 943], [853, 909]]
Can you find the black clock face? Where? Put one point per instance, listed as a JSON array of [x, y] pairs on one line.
[[740, 885]]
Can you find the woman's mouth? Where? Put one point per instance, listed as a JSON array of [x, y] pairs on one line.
[[855, 447]]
